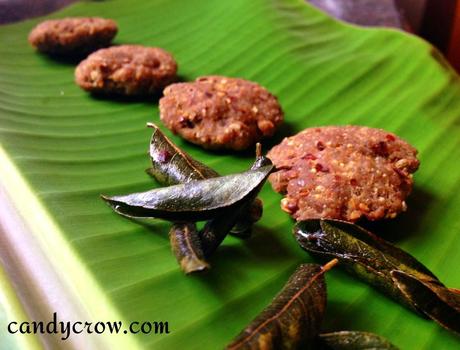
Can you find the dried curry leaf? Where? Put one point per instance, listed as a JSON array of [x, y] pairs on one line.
[[216, 229], [171, 165], [384, 266], [397, 257], [194, 200], [436, 301], [293, 319], [253, 210], [252, 214], [186, 246], [360, 252], [353, 340]]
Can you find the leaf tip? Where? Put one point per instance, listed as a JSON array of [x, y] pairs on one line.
[[109, 200], [194, 266]]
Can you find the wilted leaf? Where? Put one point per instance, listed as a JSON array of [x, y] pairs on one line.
[[251, 214], [186, 246], [382, 265], [171, 165], [434, 300], [192, 201], [353, 340], [360, 252], [216, 229], [293, 319]]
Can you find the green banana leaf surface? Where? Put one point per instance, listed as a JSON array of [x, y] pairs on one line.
[[61, 148]]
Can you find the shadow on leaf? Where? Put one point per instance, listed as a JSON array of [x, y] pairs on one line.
[[283, 131], [406, 224], [263, 249]]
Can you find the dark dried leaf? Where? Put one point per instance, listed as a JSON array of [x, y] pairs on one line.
[[216, 229], [398, 257], [436, 301], [252, 212], [360, 252], [186, 246], [351, 340], [192, 201], [382, 265], [171, 165], [250, 215], [293, 319]]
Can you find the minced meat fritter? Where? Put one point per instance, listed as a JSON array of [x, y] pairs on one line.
[[127, 70], [343, 172], [76, 35], [219, 112]]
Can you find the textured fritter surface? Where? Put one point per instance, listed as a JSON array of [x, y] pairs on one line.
[[126, 70], [343, 172], [219, 112], [74, 35]]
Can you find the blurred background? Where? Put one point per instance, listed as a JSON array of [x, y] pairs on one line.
[[438, 21]]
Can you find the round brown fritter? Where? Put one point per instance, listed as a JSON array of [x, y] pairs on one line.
[[219, 112], [126, 70], [73, 35], [343, 172]]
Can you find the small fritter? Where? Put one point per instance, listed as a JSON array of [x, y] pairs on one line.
[[127, 70], [220, 113], [70, 36], [343, 172]]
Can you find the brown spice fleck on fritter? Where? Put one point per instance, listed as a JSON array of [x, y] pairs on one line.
[[76, 35], [220, 113], [127, 70], [343, 172]]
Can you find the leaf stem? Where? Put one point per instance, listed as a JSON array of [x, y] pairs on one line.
[[330, 264]]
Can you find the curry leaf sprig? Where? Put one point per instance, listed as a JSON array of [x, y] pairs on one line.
[[195, 192], [172, 165], [384, 266]]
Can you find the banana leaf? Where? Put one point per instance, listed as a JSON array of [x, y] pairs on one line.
[[11, 310], [61, 148]]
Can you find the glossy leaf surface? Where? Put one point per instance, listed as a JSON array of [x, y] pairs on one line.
[[382, 265], [193, 201], [171, 165], [360, 252]]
